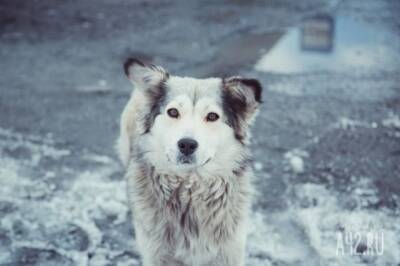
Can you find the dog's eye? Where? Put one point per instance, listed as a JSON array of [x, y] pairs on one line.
[[211, 117], [173, 112]]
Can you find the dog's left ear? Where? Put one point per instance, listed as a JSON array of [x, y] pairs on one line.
[[241, 99], [144, 76], [243, 95]]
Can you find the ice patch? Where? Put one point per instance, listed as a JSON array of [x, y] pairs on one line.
[[84, 222], [99, 159], [33, 148], [295, 160], [348, 124], [297, 164], [322, 233], [41, 212], [258, 166], [100, 87], [393, 121]]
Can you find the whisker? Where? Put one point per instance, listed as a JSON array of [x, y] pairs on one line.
[[141, 154]]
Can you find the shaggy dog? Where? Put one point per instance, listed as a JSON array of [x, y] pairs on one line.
[[184, 143]]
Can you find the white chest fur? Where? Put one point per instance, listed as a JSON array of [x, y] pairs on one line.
[[188, 218]]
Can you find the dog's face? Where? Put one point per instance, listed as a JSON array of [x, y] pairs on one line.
[[187, 124]]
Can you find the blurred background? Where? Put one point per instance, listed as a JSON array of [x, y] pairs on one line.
[[326, 142]]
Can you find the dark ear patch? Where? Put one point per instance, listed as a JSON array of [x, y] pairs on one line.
[[129, 63], [254, 85], [144, 75], [234, 108], [240, 100], [156, 97]]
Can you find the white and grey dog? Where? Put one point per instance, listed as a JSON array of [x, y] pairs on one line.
[[184, 143]]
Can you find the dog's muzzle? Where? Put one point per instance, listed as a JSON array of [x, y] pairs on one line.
[[187, 147]]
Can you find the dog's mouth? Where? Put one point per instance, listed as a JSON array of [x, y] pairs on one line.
[[190, 162], [186, 160]]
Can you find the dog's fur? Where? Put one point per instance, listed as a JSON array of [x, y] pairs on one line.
[[190, 212]]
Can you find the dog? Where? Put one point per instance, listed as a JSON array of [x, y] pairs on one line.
[[184, 142]]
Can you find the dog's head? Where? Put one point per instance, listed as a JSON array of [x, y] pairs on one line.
[[185, 124]]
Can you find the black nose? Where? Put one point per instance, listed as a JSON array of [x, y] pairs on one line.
[[187, 146]]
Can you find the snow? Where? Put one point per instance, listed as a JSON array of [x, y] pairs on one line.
[[393, 121], [297, 164], [70, 215], [310, 235], [45, 211], [100, 87], [295, 160], [258, 166]]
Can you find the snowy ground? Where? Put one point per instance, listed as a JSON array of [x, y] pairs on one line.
[[326, 143]]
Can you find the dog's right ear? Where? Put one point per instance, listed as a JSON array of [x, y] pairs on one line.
[[142, 75], [146, 79]]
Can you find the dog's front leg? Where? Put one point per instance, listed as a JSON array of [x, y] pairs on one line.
[[232, 253], [153, 254], [149, 252], [234, 257], [152, 259]]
